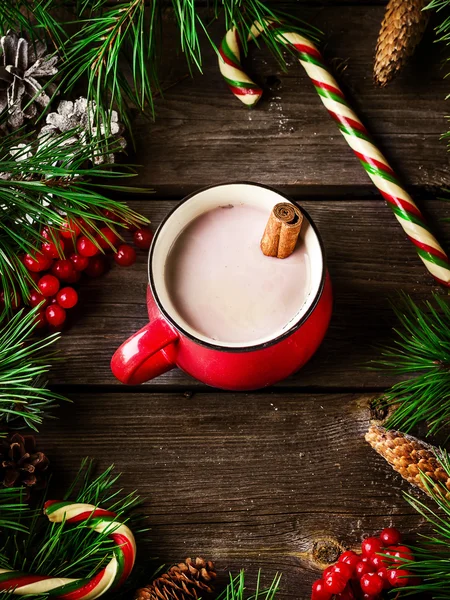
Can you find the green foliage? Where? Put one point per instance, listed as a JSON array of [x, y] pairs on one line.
[[24, 399], [99, 37], [12, 506], [422, 349], [236, 589], [48, 182], [432, 556], [59, 549], [442, 29]]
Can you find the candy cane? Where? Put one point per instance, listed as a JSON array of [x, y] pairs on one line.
[[377, 167], [113, 575]]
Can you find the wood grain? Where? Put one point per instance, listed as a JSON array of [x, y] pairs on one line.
[[257, 480], [204, 135], [369, 259]]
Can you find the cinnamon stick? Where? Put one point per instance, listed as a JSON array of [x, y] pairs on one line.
[[282, 230]]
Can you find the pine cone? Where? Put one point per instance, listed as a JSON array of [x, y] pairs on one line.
[[21, 464], [402, 29], [23, 64], [410, 457], [80, 115], [185, 581]]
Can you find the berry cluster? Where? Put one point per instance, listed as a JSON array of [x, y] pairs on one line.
[[64, 255], [365, 576]]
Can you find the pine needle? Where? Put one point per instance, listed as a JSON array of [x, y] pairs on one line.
[[421, 349], [63, 550], [236, 589], [432, 556], [24, 363], [50, 181]]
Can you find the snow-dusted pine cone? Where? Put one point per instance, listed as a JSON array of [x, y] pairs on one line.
[[23, 64], [402, 29], [410, 457], [81, 114]]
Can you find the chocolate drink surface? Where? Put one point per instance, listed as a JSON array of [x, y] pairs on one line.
[[223, 286]]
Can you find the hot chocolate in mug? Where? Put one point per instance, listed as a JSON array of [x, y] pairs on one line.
[[219, 308]]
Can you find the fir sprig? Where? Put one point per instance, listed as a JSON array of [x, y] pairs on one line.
[[432, 557], [101, 37], [12, 506], [421, 349], [47, 182], [61, 549], [237, 590], [24, 363]]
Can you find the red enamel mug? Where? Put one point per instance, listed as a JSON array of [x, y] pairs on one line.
[[167, 341]]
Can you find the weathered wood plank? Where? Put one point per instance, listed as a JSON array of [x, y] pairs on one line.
[[203, 135], [254, 480], [369, 258]]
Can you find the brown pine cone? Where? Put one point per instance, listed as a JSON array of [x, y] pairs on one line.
[[21, 464], [402, 29], [185, 581], [410, 457]]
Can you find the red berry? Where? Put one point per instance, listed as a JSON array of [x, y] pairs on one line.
[[351, 558], [399, 577], [362, 568], [390, 536], [40, 319], [371, 546], [69, 229], [50, 249], [67, 297], [142, 238], [36, 298], [366, 596], [36, 263], [111, 238], [85, 247], [63, 269], [34, 276], [371, 583], [79, 262], [347, 594], [48, 285], [125, 256], [383, 573], [45, 233], [400, 554], [73, 277], [55, 315], [344, 570], [378, 561], [96, 266], [319, 592], [334, 583]]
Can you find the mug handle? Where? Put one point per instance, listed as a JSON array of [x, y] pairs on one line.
[[146, 354]]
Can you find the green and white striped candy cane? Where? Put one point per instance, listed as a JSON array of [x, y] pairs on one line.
[[358, 138]]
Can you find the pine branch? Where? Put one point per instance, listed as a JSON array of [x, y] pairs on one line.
[[421, 349], [236, 589], [45, 183], [442, 32], [432, 558], [12, 504], [59, 549], [109, 35], [24, 399]]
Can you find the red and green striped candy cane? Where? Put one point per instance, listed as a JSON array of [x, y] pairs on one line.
[[358, 138], [237, 80], [113, 575]]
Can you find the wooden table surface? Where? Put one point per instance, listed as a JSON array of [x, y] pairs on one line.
[[280, 478]]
